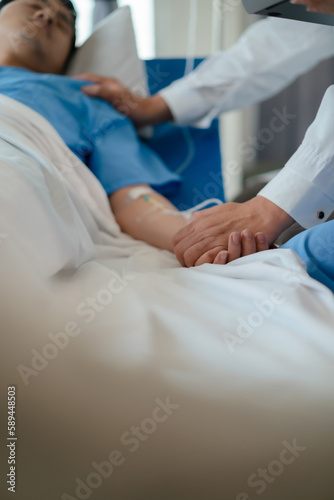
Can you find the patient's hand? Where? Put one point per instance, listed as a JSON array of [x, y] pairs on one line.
[[242, 244], [323, 6], [141, 110]]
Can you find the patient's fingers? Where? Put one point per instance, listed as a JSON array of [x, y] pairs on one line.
[[240, 245], [247, 242], [221, 258], [261, 242], [209, 256], [234, 246]]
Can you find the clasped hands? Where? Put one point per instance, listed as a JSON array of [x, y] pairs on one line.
[[215, 235], [218, 235]]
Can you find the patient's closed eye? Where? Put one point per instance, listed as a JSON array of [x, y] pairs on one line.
[[65, 23]]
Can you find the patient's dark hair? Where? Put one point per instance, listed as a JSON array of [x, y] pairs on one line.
[[71, 8]]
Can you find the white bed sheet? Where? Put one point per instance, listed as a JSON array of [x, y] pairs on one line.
[[244, 353]]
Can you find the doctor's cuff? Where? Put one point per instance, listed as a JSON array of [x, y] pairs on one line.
[[187, 105], [305, 202]]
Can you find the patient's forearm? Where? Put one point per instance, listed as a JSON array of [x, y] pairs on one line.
[[147, 218]]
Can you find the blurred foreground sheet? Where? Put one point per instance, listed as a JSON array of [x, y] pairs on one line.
[[137, 379]]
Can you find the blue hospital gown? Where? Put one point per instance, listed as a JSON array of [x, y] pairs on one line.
[[316, 247], [105, 140]]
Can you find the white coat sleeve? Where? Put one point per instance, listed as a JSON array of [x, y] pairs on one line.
[[304, 188], [271, 54]]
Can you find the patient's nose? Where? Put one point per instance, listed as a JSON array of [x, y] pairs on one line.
[[43, 17]]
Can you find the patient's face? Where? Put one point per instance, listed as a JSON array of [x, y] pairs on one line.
[[37, 34]]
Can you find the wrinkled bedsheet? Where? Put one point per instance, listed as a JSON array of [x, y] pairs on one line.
[[138, 379]]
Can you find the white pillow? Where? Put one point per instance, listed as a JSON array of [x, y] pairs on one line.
[[111, 51]]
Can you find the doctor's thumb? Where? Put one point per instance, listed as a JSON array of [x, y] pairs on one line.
[[99, 90], [93, 90]]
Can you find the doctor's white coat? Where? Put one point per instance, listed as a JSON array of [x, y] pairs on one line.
[[271, 54]]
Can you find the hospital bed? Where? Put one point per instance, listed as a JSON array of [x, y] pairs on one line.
[[138, 379]]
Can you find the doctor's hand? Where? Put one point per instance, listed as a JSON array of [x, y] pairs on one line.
[[141, 110], [207, 234], [321, 6]]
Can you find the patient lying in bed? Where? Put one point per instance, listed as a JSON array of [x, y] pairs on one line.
[[133, 176]]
